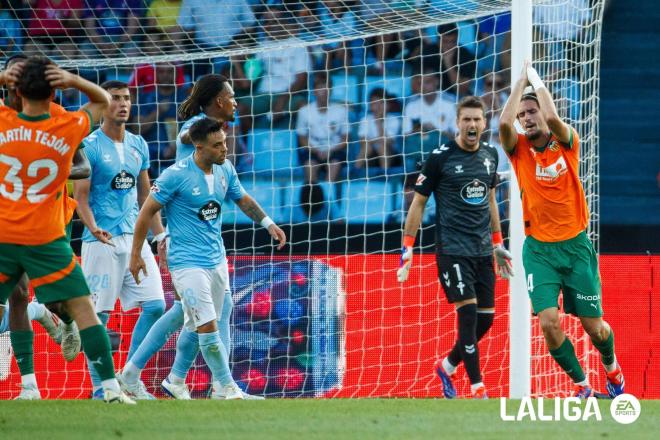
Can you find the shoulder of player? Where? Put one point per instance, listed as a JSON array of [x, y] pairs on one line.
[[490, 148]]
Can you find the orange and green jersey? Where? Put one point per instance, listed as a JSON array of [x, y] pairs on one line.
[[35, 161], [554, 205]]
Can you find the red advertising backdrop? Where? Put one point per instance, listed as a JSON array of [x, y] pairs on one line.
[[393, 334]]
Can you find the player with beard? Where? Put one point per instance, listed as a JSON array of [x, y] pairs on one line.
[[462, 176], [557, 253], [192, 192]]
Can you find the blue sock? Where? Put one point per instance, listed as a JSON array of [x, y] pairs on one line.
[[151, 311], [224, 323], [187, 347], [158, 335], [213, 353], [96, 379], [4, 322]]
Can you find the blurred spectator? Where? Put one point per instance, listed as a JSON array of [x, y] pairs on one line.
[[430, 111], [213, 24], [112, 26], [381, 49], [282, 79], [338, 20], [54, 27], [11, 35], [156, 116], [312, 205], [444, 56], [322, 130], [379, 132], [495, 38], [494, 98], [144, 75], [162, 15]]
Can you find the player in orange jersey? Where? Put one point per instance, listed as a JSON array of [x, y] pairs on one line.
[[36, 150], [557, 253]]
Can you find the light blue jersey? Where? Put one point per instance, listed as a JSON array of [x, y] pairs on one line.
[[185, 150], [193, 202], [115, 171]]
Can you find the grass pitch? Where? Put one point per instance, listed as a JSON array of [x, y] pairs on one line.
[[302, 419]]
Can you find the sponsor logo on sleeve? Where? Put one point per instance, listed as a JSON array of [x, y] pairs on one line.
[[420, 179]]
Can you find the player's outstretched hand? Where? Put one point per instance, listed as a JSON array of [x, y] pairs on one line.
[[59, 78], [136, 265], [405, 263], [503, 262], [162, 254], [103, 236], [278, 234]]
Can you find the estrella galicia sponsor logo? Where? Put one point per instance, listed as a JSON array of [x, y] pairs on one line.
[[475, 192], [123, 181], [209, 212]]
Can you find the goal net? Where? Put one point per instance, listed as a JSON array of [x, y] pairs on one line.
[[339, 104]]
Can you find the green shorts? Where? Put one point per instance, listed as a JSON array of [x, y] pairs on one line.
[[53, 270], [570, 265]]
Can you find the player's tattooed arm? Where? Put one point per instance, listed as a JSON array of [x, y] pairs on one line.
[[251, 208], [80, 168]]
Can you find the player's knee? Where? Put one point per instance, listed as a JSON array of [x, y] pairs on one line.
[[550, 324], [597, 329], [154, 307], [467, 323], [484, 322]]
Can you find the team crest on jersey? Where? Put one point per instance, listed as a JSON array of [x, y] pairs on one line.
[[475, 192], [124, 181], [223, 181], [487, 164], [209, 212], [420, 179], [552, 146], [551, 172]]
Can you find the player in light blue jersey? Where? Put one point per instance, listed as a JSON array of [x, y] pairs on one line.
[[212, 96], [108, 206], [192, 193]]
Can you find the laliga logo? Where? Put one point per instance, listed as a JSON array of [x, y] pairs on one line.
[[625, 409], [569, 409]]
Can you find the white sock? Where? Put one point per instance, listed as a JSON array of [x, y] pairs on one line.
[[29, 381], [131, 373], [110, 384], [611, 367], [36, 311], [448, 367], [173, 378], [95, 388], [216, 385], [475, 386], [584, 383]]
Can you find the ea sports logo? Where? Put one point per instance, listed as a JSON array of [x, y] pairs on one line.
[[625, 408]]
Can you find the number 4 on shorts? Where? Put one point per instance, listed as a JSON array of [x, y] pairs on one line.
[[530, 282]]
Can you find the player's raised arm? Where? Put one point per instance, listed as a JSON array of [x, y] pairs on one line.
[[548, 109], [508, 134], [149, 209], [99, 99], [251, 208]]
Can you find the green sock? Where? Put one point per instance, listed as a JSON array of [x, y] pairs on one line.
[[606, 349], [22, 342], [565, 357], [96, 344]]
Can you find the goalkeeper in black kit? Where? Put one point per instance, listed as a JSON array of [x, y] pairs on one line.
[[462, 176]]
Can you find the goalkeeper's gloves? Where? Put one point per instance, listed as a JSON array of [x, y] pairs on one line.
[[406, 258], [503, 258], [534, 78]]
